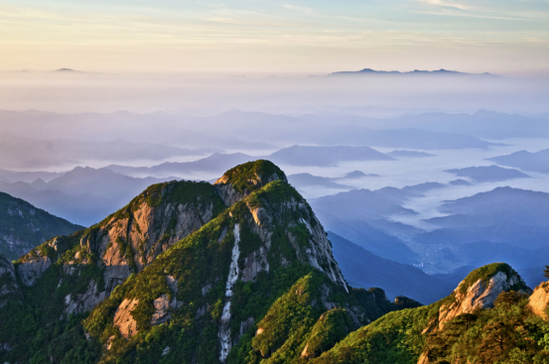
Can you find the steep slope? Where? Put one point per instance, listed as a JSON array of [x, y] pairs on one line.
[[240, 272], [24, 226], [487, 319], [128, 240]]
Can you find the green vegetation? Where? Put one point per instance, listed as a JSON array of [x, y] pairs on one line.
[[287, 312], [395, 338], [507, 333], [39, 328], [253, 175], [487, 272], [332, 326]]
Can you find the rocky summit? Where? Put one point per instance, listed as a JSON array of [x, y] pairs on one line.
[[239, 271]]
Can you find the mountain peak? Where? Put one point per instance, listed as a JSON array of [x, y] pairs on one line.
[[243, 179], [252, 175], [480, 289]]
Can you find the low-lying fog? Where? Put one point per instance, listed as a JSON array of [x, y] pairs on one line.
[[203, 95], [329, 134]]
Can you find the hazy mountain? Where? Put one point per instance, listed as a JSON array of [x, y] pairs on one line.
[[359, 174], [324, 156], [482, 124], [13, 176], [303, 180], [532, 162], [370, 71], [460, 182], [364, 269], [481, 253], [504, 224], [409, 138], [365, 204], [372, 238], [408, 154], [488, 174], [419, 189], [361, 217], [362, 204], [503, 204], [19, 152], [24, 226], [215, 163], [235, 130], [83, 195], [507, 231]]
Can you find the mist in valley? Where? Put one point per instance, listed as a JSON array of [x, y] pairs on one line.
[[377, 156]]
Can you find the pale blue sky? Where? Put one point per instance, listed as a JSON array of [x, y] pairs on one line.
[[274, 36]]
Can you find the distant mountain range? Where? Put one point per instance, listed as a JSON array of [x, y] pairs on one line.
[[370, 71]]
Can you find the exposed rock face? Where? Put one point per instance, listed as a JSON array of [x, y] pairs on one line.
[[130, 239], [8, 284], [239, 182], [123, 318], [224, 333], [162, 305], [480, 294], [317, 252], [75, 304], [538, 301], [33, 268]]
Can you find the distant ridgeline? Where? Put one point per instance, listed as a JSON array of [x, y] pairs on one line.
[[370, 71], [25, 226], [241, 271]]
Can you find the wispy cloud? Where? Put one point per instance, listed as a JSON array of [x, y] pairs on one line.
[[483, 9]]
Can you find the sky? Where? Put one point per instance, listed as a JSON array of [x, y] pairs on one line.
[[264, 36]]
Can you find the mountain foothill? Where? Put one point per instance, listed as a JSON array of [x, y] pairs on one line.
[[242, 271]]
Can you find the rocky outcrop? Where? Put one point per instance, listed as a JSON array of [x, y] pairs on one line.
[[33, 268], [239, 182], [123, 318], [224, 333], [162, 306], [133, 237], [8, 285], [314, 250], [538, 301], [481, 294], [85, 302]]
